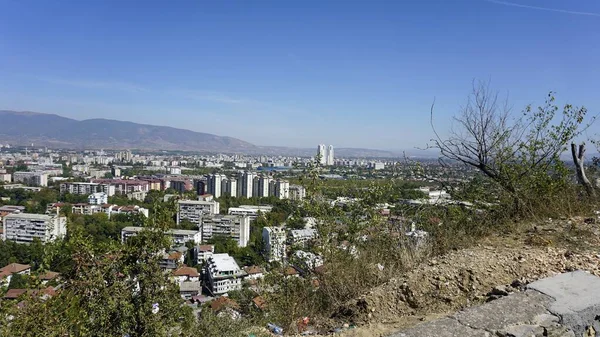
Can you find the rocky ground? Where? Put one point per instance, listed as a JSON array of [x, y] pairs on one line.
[[489, 269]]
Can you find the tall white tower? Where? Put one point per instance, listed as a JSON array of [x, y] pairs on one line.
[[322, 153], [330, 155]]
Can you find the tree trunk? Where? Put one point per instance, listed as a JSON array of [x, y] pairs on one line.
[[581, 177]]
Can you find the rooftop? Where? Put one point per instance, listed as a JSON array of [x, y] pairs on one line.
[[171, 231], [224, 262], [186, 271], [43, 217]]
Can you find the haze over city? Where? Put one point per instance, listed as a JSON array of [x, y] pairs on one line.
[[349, 73]]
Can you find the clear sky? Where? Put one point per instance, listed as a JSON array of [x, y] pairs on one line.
[[294, 73]]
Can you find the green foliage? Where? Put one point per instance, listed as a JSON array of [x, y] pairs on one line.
[[109, 291], [18, 281]]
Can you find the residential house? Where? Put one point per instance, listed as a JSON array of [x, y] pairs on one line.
[[7, 272]]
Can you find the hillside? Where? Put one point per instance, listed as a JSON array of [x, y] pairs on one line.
[[23, 128]]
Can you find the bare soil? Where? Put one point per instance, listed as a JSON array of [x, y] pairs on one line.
[[465, 277]]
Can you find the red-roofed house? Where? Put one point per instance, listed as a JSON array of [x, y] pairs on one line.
[[186, 274], [254, 272], [13, 268]]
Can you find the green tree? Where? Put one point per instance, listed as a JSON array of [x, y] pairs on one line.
[[18, 281]]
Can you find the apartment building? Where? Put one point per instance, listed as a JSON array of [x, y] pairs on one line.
[[214, 184], [234, 226], [261, 186], [99, 198], [24, 227], [37, 178], [179, 236], [81, 188], [274, 239], [124, 186], [301, 236], [193, 210], [280, 189], [223, 274], [245, 184], [250, 211], [296, 192]]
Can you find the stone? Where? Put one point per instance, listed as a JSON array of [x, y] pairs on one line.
[[521, 331], [516, 309], [444, 327], [545, 320], [576, 299], [499, 290]]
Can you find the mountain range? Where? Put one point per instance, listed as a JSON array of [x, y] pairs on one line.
[[25, 128]]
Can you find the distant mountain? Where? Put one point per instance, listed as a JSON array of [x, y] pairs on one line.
[[24, 128]]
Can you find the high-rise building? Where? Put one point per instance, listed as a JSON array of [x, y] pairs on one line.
[[297, 192], [229, 186], [322, 155], [261, 186], [246, 184], [330, 155], [214, 184], [280, 189]]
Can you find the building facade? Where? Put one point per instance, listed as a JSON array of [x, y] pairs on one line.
[[274, 239], [193, 210], [25, 227], [233, 226], [99, 198], [37, 178], [223, 274]]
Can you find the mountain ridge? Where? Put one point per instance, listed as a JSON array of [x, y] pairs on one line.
[[23, 128]]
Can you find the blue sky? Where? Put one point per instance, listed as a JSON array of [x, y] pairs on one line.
[[294, 73]]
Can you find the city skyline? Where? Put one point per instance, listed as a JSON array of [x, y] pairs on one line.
[[346, 71]]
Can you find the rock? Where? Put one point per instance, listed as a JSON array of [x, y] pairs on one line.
[[499, 291], [521, 331]]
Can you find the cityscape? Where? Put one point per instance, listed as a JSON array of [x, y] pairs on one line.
[[299, 168]]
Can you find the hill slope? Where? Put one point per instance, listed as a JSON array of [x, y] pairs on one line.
[[23, 128]]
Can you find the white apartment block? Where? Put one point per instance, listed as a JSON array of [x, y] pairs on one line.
[[297, 192], [280, 189], [223, 274], [193, 210], [301, 236], [179, 236], [274, 239], [86, 188], [37, 178], [233, 226], [250, 211], [99, 198], [24, 227]]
